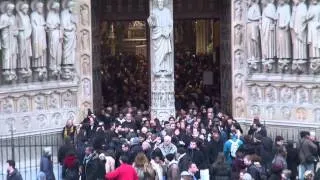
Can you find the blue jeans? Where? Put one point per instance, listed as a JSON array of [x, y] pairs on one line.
[[302, 168]]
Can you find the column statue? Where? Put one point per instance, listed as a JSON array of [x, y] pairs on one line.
[[9, 46], [253, 37], [24, 39], [313, 19], [54, 39], [69, 28], [268, 35], [39, 42], [161, 24], [298, 27], [283, 35]]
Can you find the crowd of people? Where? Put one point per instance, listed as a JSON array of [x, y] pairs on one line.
[[199, 143], [128, 75]]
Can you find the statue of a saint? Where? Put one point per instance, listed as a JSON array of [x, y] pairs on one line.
[[253, 37], [39, 42], [54, 38], [268, 34], [9, 45], [161, 25], [69, 27], [298, 27], [283, 35], [24, 39], [313, 19]]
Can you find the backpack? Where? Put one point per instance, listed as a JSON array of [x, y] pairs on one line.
[[234, 147], [71, 174]]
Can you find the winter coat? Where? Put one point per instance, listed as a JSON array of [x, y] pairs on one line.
[[15, 175], [307, 148], [70, 163], [123, 172], [90, 164], [183, 162], [220, 172], [46, 166]]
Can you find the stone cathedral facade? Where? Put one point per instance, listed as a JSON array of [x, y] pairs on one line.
[[46, 74], [269, 54]]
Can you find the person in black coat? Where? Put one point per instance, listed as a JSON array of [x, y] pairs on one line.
[[220, 170], [215, 146], [292, 159], [183, 160], [13, 173], [197, 156]]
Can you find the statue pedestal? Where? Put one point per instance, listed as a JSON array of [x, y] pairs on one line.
[[162, 98]]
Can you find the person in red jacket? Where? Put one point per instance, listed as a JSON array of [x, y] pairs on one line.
[[123, 172]]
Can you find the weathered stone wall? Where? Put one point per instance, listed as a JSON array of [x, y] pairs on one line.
[[270, 79], [37, 104]]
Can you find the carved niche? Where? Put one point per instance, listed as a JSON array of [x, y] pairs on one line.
[[54, 101], [302, 96], [270, 112], [301, 114], [26, 122], [286, 113], [39, 102], [240, 107], [237, 10], [286, 95], [8, 106], [23, 104], [238, 35], [316, 96], [85, 40], [56, 119], [42, 120], [85, 15], [85, 65], [239, 59], [255, 94], [238, 83], [271, 94], [86, 87], [255, 111], [67, 100], [316, 115]]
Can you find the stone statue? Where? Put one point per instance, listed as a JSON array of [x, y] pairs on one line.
[[268, 35], [69, 27], [298, 27], [24, 39], [84, 12], [253, 37], [39, 42], [283, 35], [161, 25], [313, 19], [237, 10], [54, 38], [9, 45]]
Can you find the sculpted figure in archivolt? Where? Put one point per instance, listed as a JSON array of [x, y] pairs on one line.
[[298, 25], [69, 27], [161, 24], [283, 34], [313, 19], [253, 37], [24, 39], [268, 34], [9, 46], [39, 41], [54, 37]]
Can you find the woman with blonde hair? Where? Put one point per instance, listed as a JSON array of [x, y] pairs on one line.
[[143, 168]]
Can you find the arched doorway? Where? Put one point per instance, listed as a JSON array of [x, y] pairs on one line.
[[197, 22]]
